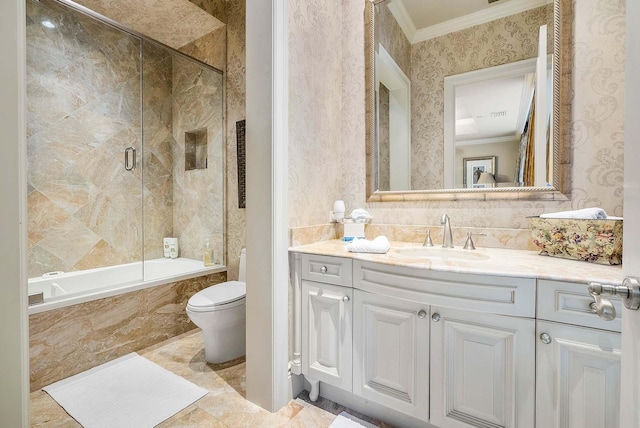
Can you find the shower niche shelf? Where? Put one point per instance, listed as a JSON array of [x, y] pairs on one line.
[[195, 149]]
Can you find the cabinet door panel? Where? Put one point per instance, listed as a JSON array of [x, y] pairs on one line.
[[482, 370], [391, 353], [326, 338], [578, 382]]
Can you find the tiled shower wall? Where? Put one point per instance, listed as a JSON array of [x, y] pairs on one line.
[[84, 209], [157, 84], [198, 193], [232, 13]]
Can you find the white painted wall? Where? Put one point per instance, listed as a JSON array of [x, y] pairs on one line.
[[14, 379], [267, 208]]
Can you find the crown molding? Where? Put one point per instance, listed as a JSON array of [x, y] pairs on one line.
[[403, 18], [487, 15]]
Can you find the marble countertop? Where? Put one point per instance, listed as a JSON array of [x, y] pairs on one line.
[[492, 261]]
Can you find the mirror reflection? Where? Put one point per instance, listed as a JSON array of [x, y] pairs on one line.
[[460, 90]]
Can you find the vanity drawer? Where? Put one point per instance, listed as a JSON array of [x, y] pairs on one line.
[[481, 293], [568, 302], [327, 269]]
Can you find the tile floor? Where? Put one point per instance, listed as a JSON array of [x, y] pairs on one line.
[[223, 406]]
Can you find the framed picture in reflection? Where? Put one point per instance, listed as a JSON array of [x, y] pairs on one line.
[[473, 170]]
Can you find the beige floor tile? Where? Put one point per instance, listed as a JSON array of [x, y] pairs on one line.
[[224, 406], [311, 417], [192, 417], [45, 412]]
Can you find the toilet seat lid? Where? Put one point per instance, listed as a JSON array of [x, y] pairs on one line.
[[218, 295]]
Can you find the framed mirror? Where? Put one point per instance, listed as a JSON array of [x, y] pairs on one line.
[[447, 86]]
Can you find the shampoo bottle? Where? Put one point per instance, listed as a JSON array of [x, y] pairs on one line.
[[207, 256]]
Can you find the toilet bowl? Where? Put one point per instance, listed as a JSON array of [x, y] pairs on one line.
[[220, 311]]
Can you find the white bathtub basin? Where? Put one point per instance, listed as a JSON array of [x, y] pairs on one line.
[[444, 254], [60, 289]]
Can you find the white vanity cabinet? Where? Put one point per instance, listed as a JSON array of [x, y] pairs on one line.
[[482, 369], [455, 350], [578, 368], [326, 321], [477, 332], [391, 353]]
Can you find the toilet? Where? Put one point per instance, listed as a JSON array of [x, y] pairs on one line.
[[219, 311]]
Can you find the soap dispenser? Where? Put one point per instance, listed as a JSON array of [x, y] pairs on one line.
[[207, 256]]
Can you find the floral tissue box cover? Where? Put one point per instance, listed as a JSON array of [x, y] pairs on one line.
[[596, 241]]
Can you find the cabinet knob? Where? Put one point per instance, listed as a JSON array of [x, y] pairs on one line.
[[345, 299], [323, 270], [422, 314], [435, 317], [545, 338]]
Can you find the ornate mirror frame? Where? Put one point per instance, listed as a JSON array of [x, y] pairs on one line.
[[562, 93]]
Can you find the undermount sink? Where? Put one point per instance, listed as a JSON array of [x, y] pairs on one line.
[[440, 253]]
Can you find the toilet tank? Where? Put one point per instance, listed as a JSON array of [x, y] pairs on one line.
[[242, 271]]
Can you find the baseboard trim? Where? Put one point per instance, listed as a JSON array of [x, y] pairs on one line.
[[366, 407]]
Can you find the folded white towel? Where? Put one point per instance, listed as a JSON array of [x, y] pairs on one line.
[[345, 420], [585, 213], [380, 245]]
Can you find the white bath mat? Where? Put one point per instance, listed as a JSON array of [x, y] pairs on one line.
[[130, 391], [345, 420]]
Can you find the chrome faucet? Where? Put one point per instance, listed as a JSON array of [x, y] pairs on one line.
[[447, 239]]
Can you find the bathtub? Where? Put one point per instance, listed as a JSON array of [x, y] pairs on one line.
[[64, 289]]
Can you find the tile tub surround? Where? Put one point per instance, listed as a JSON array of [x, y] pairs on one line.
[[502, 262], [78, 188], [66, 341], [198, 196], [235, 96], [224, 406], [232, 13], [81, 115]]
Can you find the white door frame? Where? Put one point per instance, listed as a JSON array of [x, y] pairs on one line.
[[267, 203], [389, 73], [14, 329], [630, 379], [518, 68]]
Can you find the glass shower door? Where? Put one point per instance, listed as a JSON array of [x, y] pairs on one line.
[[84, 115], [184, 174]]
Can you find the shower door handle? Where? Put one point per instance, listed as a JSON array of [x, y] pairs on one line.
[[129, 158]]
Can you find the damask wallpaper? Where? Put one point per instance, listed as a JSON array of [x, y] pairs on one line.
[[390, 35], [316, 62], [596, 146]]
